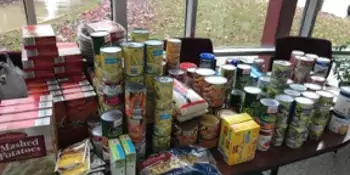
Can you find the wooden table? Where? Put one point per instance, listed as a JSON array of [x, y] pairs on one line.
[[279, 156]]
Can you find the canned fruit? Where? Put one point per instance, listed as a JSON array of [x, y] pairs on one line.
[[154, 56], [302, 68], [163, 88], [209, 127], [163, 122], [316, 130], [135, 99], [136, 130], [322, 66], [160, 143], [111, 64], [133, 58], [214, 91], [164, 104]]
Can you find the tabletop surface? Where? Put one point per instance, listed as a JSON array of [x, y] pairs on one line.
[[278, 156]]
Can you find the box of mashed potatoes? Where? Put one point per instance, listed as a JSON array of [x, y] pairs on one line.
[[27, 137]]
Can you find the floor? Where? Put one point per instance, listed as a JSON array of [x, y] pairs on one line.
[[326, 164]]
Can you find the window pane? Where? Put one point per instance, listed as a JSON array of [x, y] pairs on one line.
[[297, 18], [163, 18], [232, 23]]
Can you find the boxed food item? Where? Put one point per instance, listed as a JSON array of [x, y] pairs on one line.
[[130, 154], [39, 75], [37, 105], [117, 157], [38, 36], [73, 78], [78, 89], [41, 83], [25, 100], [116, 30], [41, 53], [35, 114], [73, 84], [37, 90], [68, 52], [26, 143], [37, 64], [66, 71]]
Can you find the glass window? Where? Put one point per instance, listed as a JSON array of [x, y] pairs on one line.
[[163, 18], [232, 23], [297, 18]]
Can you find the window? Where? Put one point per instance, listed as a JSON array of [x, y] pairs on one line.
[[297, 18], [163, 18], [232, 23]]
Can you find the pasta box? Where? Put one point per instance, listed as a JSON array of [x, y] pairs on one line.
[[37, 64], [68, 52], [37, 105], [41, 83], [37, 53], [26, 100], [37, 75], [38, 36]]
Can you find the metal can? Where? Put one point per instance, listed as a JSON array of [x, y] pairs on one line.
[[342, 105], [178, 74], [189, 76], [150, 108], [284, 110], [317, 129], [298, 87], [268, 113], [264, 140], [298, 134], [209, 127], [163, 92], [302, 112], [133, 53], [154, 56], [186, 133], [163, 120], [322, 66], [263, 84], [278, 136], [258, 64], [233, 61], [311, 55], [160, 143], [139, 35], [251, 100], [140, 150], [134, 79], [173, 49], [338, 124], [281, 71], [207, 60], [294, 144], [198, 78], [113, 95], [326, 99], [111, 64], [135, 100], [303, 66], [186, 65], [311, 95], [224, 113], [294, 54], [236, 100], [99, 40], [292, 93], [317, 80], [96, 137], [149, 81], [136, 129], [313, 87], [229, 72], [243, 76], [215, 90]]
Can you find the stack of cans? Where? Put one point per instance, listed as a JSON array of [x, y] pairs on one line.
[[173, 49], [163, 114], [281, 71], [154, 67], [135, 112]]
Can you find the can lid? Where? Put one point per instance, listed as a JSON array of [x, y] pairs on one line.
[[176, 72], [311, 95], [244, 66], [97, 131], [174, 40], [284, 98], [186, 65], [266, 79], [191, 70], [345, 90], [110, 49], [133, 44], [289, 81], [252, 90], [236, 92], [207, 56], [228, 67], [292, 93], [306, 59], [140, 30], [325, 94], [205, 71], [215, 80], [318, 78], [154, 42], [298, 52], [323, 60], [304, 101], [313, 86], [311, 55], [298, 87], [164, 79], [99, 34], [258, 60], [282, 63], [112, 115], [269, 102], [134, 87]]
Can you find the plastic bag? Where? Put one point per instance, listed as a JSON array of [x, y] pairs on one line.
[[12, 84]]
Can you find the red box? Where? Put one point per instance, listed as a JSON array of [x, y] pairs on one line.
[[41, 53], [77, 89], [38, 90], [80, 106], [74, 84], [68, 72], [38, 75], [37, 64], [71, 78], [41, 83], [38, 36], [116, 30], [35, 114], [37, 98], [25, 107]]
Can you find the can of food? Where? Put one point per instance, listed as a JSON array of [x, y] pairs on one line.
[[298, 134], [173, 49], [298, 87], [178, 74], [278, 136], [294, 54], [251, 100], [236, 100], [284, 110], [281, 71], [322, 66], [135, 79], [302, 68], [150, 108], [292, 93], [224, 113], [113, 95], [273, 91], [160, 143], [186, 65], [342, 105], [163, 88], [198, 79], [135, 100], [190, 73], [338, 124], [313, 87], [326, 99], [96, 137], [137, 129], [154, 56], [133, 58], [163, 120], [207, 60], [233, 61], [111, 64], [264, 140], [311, 95], [229, 72], [263, 84], [243, 76], [186, 132], [100, 39], [258, 64], [317, 80], [208, 127], [149, 82], [140, 150], [139, 35], [294, 144], [317, 129], [215, 90], [303, 112], [268, 112]]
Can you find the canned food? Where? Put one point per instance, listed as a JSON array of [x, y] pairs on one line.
[[215, 90], [209, 127], [139, 35], [247, 60], [284, 110], [135, 100], [294, 54], [342, 105], [133, 58], [278, 136], [317, 80], [150, 108], [198, 78], [163, 120], [292, 93], [303, 66], [224, 113], [99, 39], [273, 91], [311, 55], [313, 87], [111, 64], [338, 124], [281, 71], [299, 134], [251, 100], [112, 95], [233, 61], [316, 130], [149, 81], [264, 140], [303, 112], [178, 74], [294, 144], [236, 100], [243, 75], [207, 60], [186, 133], [263, 84], [96, 137], [258, 64], [229, 72], [298, 87], [311, 95], [173, 49], [189, 76], [268, 113], [186, 65], [134, 79], [160, 143], [140, 150], [154, 56], [137, 130], [326, 99], [163, 88], [322, 66]]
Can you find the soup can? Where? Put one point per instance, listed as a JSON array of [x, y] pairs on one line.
[[198, 79], [160, 143], [338, 124], [140, 150], [292, 93], [342, 105], [264, 140], [243, 76], [135, 99], [229, 72], [190, 77], [209, 127], [133, 58], [302, 68], [251, 100], [135, 79], [215, 90], [258, 64], [263, 84], [111, 64], [178, 74], [96, 137], [303, 112], [298, 87], [186, 133], [322, 66], [173, 50], [207, 60], [154, 56], [139, 35], [267, 114], [163, 91], [294, 54], [163, 120], [137, 129], [313, 87], [236, 100], [281, 70]]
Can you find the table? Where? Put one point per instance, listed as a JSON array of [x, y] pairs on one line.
[[279, 156]]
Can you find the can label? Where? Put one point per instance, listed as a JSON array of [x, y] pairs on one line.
[[137, 130], [134, 79], [264, 140], [135, 103], [154, 59], [163, 122], [111, 68], [133, 60], [338, 125], [160, 143], [278, 137], [214, 94], [163, 89]]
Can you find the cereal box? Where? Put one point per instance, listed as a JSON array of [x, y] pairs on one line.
[[117, 157], [130, 154], [38, 36]]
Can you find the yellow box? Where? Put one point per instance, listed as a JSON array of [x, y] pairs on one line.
[[226, 122]]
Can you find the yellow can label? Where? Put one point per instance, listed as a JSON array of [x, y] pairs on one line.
[[154, 55], [135, 79], [111, 64], [133, 59]]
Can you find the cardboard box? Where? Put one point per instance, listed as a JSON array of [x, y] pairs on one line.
[[41, 53], [117, 157], [130, 154], [71, 78], [37, 90], [38, 36], [41, 83], [25, 107], [75, 69], [37, 64], [78, 89], [69, 53], [35, 114], [26, 100], [116, 30], [38, 75], [80, 105], [74, 84]]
